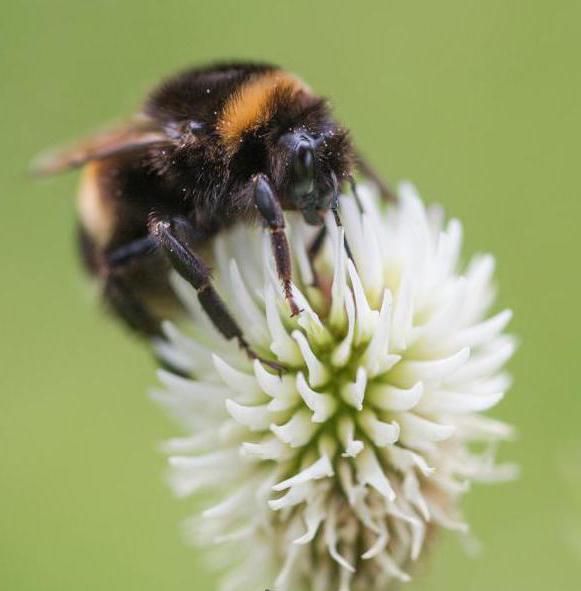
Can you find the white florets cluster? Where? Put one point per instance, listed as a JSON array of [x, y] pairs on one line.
[[334, 474]]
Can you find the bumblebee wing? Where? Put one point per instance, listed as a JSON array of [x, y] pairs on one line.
[[135, 135]]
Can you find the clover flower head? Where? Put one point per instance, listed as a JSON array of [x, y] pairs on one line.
[[334, 474]]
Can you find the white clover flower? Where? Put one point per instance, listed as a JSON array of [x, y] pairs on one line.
[[335, 474]]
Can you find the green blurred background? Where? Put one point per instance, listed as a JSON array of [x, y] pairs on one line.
[[479, 103]]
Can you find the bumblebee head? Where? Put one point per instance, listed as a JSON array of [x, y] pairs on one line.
[[310, 168]]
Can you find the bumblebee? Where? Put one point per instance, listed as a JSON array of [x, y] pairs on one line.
[[212, 146]]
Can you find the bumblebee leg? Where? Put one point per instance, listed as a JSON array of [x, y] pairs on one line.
[[174, 237], [314, 249], [339, 223], [130, 251], [369, 172], [124, 302], [121, 295], [273, 217], [117, 292], [317, 243], [142, 247]]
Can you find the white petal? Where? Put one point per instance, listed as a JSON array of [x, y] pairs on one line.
[[323, 405], [415, 428], [352, 221], [498, 383], [386, 363], [371, 264], [282, 581], [314, 515], [390, 566], [477, 428], [320, 469], [276, 386], [346, 430], [242, 383], [242, 533], [214, 459], [390, 398], [281, 404], [193, 443], [417, 526], [310, 322], [381, 433], [269, 448], [402, 316], [343, 351], [440, 517], [330, 534], [458, 402], [195, 390], [405, 459], [448, 249], [366, 317], [378, 347], [318, 373], [411, 490], [199, 355], [480, 293], [486, 363], [227, 506], [354, 392], [345, 473], [174, 357], [432, 370], [483, 332], [297, 431], [254, 321], [339, 285], [369, 471], [256, 418], [282, 345], [377, 547], [299, 241], [296, 494]]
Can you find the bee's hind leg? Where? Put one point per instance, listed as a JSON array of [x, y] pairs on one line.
[[125, 303], [123, 255], [118, 293], [173, 236]]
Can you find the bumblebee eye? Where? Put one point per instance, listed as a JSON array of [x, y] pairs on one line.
[[304, 162]]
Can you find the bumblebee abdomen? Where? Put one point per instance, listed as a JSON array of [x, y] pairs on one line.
[[96, 209]]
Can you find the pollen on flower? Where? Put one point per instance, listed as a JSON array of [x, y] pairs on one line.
[[334, 474]]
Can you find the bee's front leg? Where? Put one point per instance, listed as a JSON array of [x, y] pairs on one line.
[[273, 217]]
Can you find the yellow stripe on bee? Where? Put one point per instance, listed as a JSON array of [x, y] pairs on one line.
[[252, 104], [95, 209]]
